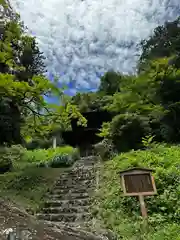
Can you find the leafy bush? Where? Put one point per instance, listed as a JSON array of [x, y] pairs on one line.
[[16, 152], [61, 161], [5, 160], [59, 157], [43, 155], [8, 156], [118, 212], [20, 158], [127, 130]]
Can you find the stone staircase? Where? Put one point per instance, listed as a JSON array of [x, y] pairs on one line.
[[70, 198]]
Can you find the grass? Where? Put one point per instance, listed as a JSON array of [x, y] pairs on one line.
[[43, 155], [122, 214], [28, 187], [27, 184]]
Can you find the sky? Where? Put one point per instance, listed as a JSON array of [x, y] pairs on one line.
[[83, 39]]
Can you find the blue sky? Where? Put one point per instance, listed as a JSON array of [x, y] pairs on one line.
[[83, 39]]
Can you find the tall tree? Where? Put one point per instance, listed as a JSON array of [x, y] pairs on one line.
[[110, 83], [164, 42], [23, 86]]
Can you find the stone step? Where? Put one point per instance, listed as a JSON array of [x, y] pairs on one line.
[[69, 217], [67, 203], [80, 175], [74, 181], [79, 170], [84, 163], [61, 210], [74, 184], [72, 191], [89, 158], [72, 187], [69, 196]]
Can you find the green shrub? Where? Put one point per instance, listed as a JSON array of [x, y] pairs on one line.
[[44, 155], [127, 130], [61, 161], [8, 157], [58, 157], [16, 152], [5, 160]]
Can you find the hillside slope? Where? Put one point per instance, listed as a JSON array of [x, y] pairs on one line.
[[122, 214]]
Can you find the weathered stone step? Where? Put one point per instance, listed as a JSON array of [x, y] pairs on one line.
[[69, 217], [71, 183], [79, 170], [85, 163], [69, 196], [57, 191], [89, 158], [72, 187], [68, 209], [79, 175], [65, 203], [77, 180], [74, 181]]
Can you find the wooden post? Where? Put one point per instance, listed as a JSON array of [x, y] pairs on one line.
[[143, 212], [143, 206]]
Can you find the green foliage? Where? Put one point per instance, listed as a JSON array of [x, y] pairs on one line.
[[122, 214], [17, 157], [91, 101], [29, 174], [162, 43], [147, 141], [5, 160], [27, 187], [110, 83], [126, 131], [147, 104], [105, 130], [61, 161], [42, 155], [10, 156], [57, 119], [23, 109]]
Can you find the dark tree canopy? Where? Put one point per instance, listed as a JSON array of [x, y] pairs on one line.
[[110, 83], [164, 42]]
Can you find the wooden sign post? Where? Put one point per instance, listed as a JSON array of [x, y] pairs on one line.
[[138, 182]]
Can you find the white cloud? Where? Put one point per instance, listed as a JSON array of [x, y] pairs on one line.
[[82, 37]]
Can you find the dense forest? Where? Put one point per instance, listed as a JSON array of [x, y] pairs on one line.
[[144, 104]]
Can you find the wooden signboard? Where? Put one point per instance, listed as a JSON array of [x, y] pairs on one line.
[[138, 182]]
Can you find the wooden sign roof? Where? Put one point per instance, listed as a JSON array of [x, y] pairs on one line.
[[135, 169]]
